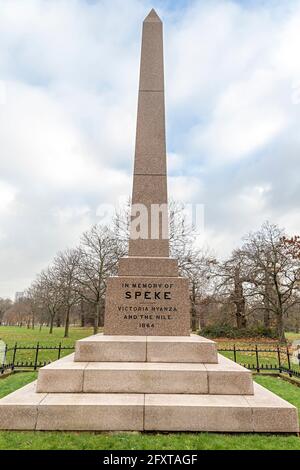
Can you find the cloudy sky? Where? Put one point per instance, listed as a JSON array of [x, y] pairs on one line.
[[68, 96]]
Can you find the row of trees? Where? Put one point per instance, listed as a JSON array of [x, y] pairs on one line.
[[258, 284], [75, 283], [263, 276], [5, 305]]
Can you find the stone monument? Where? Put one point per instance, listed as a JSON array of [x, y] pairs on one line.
[[148, 297], [146, 372]]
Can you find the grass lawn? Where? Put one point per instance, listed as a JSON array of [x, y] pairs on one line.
[[291, 336], [248, 359], [149, 441], [28, 337], [265, 358]]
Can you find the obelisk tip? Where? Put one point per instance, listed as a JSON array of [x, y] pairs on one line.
[[152, 17]]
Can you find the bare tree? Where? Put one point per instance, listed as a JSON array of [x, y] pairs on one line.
[[19, 313], [5, 304], [100, 251], [193, 262], [232, 277], [275, 272], [196, 266], [33, 299], [48, 293], [65, 268]]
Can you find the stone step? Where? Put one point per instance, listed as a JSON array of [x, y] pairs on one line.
[[25, 409], [262, 412], [105, 348], [67, 376]]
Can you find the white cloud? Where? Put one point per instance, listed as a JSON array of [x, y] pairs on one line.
[[7, 195], [246, 118], [67, 123]]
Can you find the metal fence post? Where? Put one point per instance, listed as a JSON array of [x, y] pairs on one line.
[[234, 352], [289, 360], [14, 356], [5, 353], [59, 351], [257, 359], [36, 356]]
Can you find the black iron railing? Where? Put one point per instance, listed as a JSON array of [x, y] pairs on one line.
[[14, 361], [257, 359], [263, 359]]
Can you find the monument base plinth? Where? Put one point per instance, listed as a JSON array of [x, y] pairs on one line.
[[166, 389], [116, 348]]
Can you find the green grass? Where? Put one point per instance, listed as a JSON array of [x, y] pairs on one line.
[[13, 382], [280, 387], [266, 359], [23, 335], [136, 441], [149, 441], [291, 336], [28, 337]]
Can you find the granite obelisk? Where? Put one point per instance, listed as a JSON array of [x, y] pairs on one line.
[[150, 169], [148, 297]]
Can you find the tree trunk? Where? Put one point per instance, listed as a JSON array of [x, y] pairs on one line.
[[102, 312], [239, 301], [51, 324], [298, 324], [67, 323], [241, 321], [280, 327], [96, 317], [193, 318], [201, 317], [267, 318], [82, 316], [193, 308], [279, 311], [267, 310]]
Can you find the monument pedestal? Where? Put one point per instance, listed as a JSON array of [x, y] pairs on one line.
[[141, 383]]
